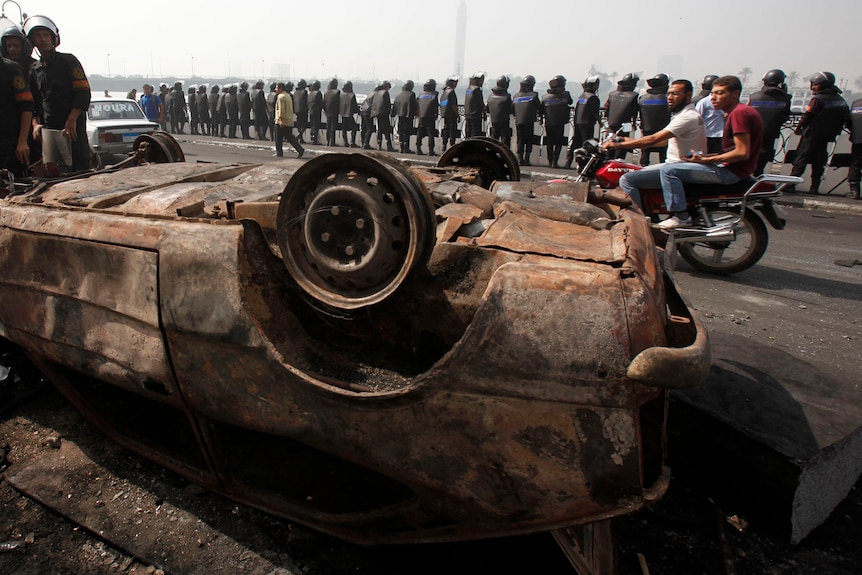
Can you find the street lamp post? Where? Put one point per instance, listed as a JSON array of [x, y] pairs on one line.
[[193, 66], [109, 64]]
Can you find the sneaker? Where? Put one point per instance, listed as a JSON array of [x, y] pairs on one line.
[[672, 223]]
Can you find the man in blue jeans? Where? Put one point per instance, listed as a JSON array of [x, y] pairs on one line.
[[743, 132], [684, 134]]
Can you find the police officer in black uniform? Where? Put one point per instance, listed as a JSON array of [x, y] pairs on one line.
[[499, 109], [215, 121], [854, 123], [367, 122], [705, 88], [348, 108], [428, 104], [820, 124], [405, 107], [16, 115], [526, 108], [15, 46], [331, 107], [178, 107], [315, 110], [300, 108], [193, 110], [244, 103], [772, 102], [449, 111], [261, 112], [556, 109], [655, 115], [381, 108], [60, 89], [203, 106], [623, 108], [474, 106], [231, 106], [587, 116]]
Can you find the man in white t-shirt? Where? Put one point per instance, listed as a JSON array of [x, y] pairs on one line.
[[684, 135]]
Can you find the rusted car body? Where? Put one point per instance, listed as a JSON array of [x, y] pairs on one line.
[[503, 372]]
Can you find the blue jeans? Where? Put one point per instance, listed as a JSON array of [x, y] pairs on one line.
[[633, 182], [675, 176]]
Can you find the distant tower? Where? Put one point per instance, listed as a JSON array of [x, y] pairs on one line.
[[460, 38]]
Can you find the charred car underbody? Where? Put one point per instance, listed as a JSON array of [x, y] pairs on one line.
[[386, 353]]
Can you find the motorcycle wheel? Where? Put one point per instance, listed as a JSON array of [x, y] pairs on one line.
[[729, 257]]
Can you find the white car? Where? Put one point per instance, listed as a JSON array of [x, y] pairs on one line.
[[113, 124]]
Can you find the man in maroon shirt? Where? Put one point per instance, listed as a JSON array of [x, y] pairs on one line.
[[743, 131]]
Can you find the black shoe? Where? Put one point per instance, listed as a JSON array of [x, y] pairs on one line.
[[526, 163], [419, 151], [367, 147], [432, 153], [300, 153]]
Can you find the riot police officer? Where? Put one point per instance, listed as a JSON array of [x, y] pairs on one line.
[[526, 107], [772, 102], [854, 122], [215, 121], [178, 108], [244, 104], [474, 106], [381, 107], [348, 108], [16, 115], [15, 46], [586, 117], [331, 107], [60, 89], [623, 108], [300, 97], [315, 110], [203, 105], [556, 109], [449, 111], [820, 124], [705, 88], [499, 108], [261, 113], [193, 110], [405, 108], [655, 114], [428, 104], [270, 112], [231, 106]]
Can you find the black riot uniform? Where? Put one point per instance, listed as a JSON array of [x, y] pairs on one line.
[[449, 111], [193, 111], [244, 103], [428, 105], [58, 85], [623, 108], [215, 120], [820, 124], [331, 107], [587, 116], [499, 109], [270, 112], [16, 104], [178, 109], [231, 105], [203, 106], [315, 109], [381, 107], [772, 102], [854, 123], [300, 108], [526, 108], [261, 111], [405, 107], [474, 107], [655, 114], [347, 109], [367, 126], [556, 109]]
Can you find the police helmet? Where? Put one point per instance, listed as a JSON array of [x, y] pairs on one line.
[[591, 84], [478, 76], [288, 86], [658, 81], [557, 81], [503, 82], [452, 80], [36, 22], [244, 86], [348, 86], [333, 84], [824, 79], [709, 80], [178, 85], [315, 85], [202, 89], [214, 89], [301, 85], [529, 79], [430, 85], [629, 80], [14, 32]]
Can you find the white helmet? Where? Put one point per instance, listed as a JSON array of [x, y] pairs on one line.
[[34, 22]]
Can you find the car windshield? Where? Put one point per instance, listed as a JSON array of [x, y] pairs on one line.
[[118, 110]]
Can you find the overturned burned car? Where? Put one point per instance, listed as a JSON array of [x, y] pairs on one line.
[[383, 352]]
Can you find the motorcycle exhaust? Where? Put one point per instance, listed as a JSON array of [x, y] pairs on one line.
[[714, 234]]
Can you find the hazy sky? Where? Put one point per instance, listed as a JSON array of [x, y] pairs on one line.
[[380, 39]]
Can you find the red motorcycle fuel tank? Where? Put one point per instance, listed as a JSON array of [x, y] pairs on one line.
[[608, 176]]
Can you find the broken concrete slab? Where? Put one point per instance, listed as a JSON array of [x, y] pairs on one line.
[[771, 436]]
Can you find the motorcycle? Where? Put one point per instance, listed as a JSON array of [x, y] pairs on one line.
[[728, 232]]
